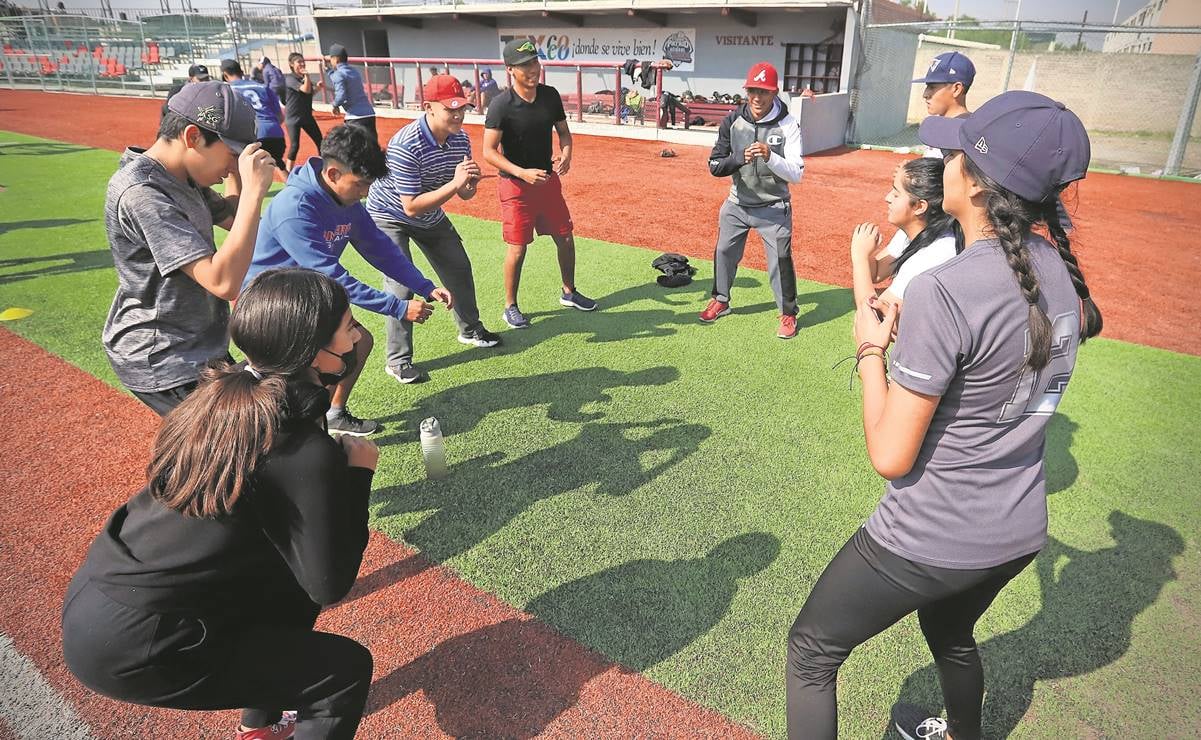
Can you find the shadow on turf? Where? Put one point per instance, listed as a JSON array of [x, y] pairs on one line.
[[39, 148], [565, 394], [73, 262], [481, 496], [1089, 607], [513, 678]]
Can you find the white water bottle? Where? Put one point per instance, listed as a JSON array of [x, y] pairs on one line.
[[433, 449]]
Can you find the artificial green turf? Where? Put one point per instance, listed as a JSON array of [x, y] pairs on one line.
[[668, 492]]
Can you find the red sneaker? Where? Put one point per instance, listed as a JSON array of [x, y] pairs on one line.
[[787, 327], [714, 311], [281, 730]]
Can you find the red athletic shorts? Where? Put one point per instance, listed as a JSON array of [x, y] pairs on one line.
[[525, 207]]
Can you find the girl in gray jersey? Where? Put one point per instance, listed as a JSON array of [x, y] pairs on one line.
[[983, 356]]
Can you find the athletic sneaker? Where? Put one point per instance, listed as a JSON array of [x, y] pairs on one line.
[[345, 422], [281, 730], [714, 311], [407, 372], [915, 723], [787, 327], [480, 337], [576, 299], [515, 318]]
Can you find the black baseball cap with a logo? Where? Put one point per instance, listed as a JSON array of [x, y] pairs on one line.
[[1028, 143], [198, 72], [519, 51], [215, 106]]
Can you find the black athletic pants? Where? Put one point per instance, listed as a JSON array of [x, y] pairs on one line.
[[163, 402], [267, 663], [367, 123], [864, 590], [310, 127]]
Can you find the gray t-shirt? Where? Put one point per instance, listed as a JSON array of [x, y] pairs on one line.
[[976, 496], [163, 326]]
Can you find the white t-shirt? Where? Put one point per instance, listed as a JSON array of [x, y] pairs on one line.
[[938, 252]]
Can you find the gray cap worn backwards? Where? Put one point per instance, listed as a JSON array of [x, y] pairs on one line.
[[1030, 144], [215, 106]]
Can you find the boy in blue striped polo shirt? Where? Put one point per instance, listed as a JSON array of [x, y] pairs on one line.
[[429, 162]]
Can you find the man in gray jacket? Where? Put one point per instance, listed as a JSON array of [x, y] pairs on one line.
[[759, 147]]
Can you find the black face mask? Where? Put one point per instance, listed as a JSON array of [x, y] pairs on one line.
[[349, 361]]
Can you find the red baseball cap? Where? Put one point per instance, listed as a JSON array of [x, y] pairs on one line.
[[446, 90], [763, 76]]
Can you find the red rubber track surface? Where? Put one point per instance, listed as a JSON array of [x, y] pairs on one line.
[[450, 660], [1134, 236]]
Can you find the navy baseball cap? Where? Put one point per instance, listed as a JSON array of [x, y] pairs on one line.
[[336, 50], [215, 106], [1030, 144], [199, 72], [950, 66]]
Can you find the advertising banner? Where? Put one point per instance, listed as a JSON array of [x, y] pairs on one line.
[[611, 44]]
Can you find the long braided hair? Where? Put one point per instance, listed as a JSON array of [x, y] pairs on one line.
[[923, 181], [1012, 218]]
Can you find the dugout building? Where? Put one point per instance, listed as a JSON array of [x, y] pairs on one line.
[[710, 45]]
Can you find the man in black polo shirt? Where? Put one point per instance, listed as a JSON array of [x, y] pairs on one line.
[[196, 73], [298, 108], [517, 142]]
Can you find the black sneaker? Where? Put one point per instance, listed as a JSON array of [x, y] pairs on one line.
[[915, 723], [480, 337], [576, 299], [344, 422], [406, 373]]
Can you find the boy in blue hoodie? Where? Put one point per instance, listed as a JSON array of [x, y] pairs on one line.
[[309, 225]]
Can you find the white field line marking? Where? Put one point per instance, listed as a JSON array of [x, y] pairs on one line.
[[30, 706]]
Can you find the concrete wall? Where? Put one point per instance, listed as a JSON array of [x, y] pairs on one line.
[[1110, 92], [823, 121]]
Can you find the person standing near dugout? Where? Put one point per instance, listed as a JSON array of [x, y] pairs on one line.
[[298, 108], [958, 422], [349, 95], [429, 163], [517, 141], [759, 148]]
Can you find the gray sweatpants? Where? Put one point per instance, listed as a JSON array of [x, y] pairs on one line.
[[774, 225], [443, 247]]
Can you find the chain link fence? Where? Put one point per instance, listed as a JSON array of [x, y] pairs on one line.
[[141, 52], [1134, 89]]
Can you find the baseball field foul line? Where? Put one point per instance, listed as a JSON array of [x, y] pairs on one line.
[[29, 705]]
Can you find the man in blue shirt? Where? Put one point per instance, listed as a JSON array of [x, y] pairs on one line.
[[266, 109], [273, 77], [349, 95], [309, 225], [429, 163]]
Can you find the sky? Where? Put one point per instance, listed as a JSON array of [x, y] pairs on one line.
[[1099, 11]]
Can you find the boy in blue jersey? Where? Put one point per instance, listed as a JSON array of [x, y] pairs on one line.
[[429, 163], [266, 109], [349, 95], [309, 225]]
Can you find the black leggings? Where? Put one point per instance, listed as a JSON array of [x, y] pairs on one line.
[[310, 127], [864, 590], [185, 662]]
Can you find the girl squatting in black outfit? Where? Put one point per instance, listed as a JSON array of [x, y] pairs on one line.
[[982, 358], [202, 591]]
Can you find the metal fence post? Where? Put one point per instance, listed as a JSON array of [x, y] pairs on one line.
[[146, 50], [659, 120], [1184, 127], [579, 94], [91, 60], [395, 89], [187, 34], [1013, 46], [617, 98]]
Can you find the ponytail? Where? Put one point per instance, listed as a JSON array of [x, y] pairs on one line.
[[1011, 218], [923, 181], [207, 449], [1091, 322]]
